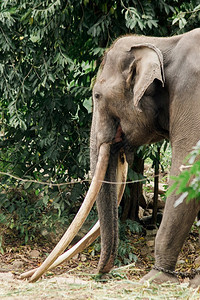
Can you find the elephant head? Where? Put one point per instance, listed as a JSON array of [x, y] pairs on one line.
[[125, 115]]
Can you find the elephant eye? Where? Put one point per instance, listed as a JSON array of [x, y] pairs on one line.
[[97, 95]]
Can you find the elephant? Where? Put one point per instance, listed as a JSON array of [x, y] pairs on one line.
[[147, 89]]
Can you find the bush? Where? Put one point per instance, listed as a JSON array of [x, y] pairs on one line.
[[188, 182], [50, 53]]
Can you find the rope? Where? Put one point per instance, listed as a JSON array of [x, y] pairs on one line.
[[51, 184]]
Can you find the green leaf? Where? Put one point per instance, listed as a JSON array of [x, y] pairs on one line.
[[45, 199], [172, 188], [35, 38], [51, 77], [88, 105], [182, 23], [27, 185]]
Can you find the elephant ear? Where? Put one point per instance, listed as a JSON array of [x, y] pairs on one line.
[[145, 68]]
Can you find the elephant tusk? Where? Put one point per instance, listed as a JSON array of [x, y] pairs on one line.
[[87, 240], [91, 236], [122, 170], [82, 214]]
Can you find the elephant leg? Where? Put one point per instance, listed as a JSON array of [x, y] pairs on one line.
[[174, 228]]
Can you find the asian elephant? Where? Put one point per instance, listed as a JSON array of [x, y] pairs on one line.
[[147, 89]]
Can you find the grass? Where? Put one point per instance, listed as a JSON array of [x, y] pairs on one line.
[[66, 286]]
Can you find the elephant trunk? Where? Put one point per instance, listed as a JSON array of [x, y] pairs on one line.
[[108, 217], [107, 198]]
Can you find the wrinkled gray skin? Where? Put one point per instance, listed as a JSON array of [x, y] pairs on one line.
[[147, 89]]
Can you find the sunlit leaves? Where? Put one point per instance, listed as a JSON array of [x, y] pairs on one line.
[[142, 15], [186, 13], [187, 184], [134, 18], [6, 18]]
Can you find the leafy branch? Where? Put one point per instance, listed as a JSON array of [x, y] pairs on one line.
[[188, 182]]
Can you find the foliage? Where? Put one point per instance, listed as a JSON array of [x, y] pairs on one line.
[[25, 214], [186, 14], [188, 182], [151, 153], [158, 153], [50, 53], [125, 248], [30, 213]]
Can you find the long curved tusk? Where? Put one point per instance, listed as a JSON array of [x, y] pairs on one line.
[[91, 236], [122, 170], [82, 214], [86, 241]]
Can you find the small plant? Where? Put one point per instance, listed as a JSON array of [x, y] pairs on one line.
[[125, 248], [26, 213], [188, 182]]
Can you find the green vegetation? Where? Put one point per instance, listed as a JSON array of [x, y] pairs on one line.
[[188, 182], [50, 53]]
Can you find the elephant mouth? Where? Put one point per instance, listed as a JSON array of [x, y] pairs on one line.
[[119, 136], [120, 141]]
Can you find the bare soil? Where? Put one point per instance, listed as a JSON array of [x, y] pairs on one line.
[[76, 279]]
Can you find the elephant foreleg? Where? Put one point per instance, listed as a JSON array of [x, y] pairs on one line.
[[174, 228]]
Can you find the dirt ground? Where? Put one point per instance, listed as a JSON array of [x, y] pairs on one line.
[[76, 279]]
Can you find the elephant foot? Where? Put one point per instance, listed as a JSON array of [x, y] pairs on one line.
[[159, 277], [195, 282]]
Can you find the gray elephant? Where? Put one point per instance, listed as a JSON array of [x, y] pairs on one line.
[[147, 89]]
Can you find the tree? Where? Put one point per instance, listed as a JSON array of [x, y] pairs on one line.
[[50, 53]]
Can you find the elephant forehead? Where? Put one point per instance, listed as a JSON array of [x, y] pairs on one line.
[[110, 85], [118, 59], [112, 74], [112, 78]]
